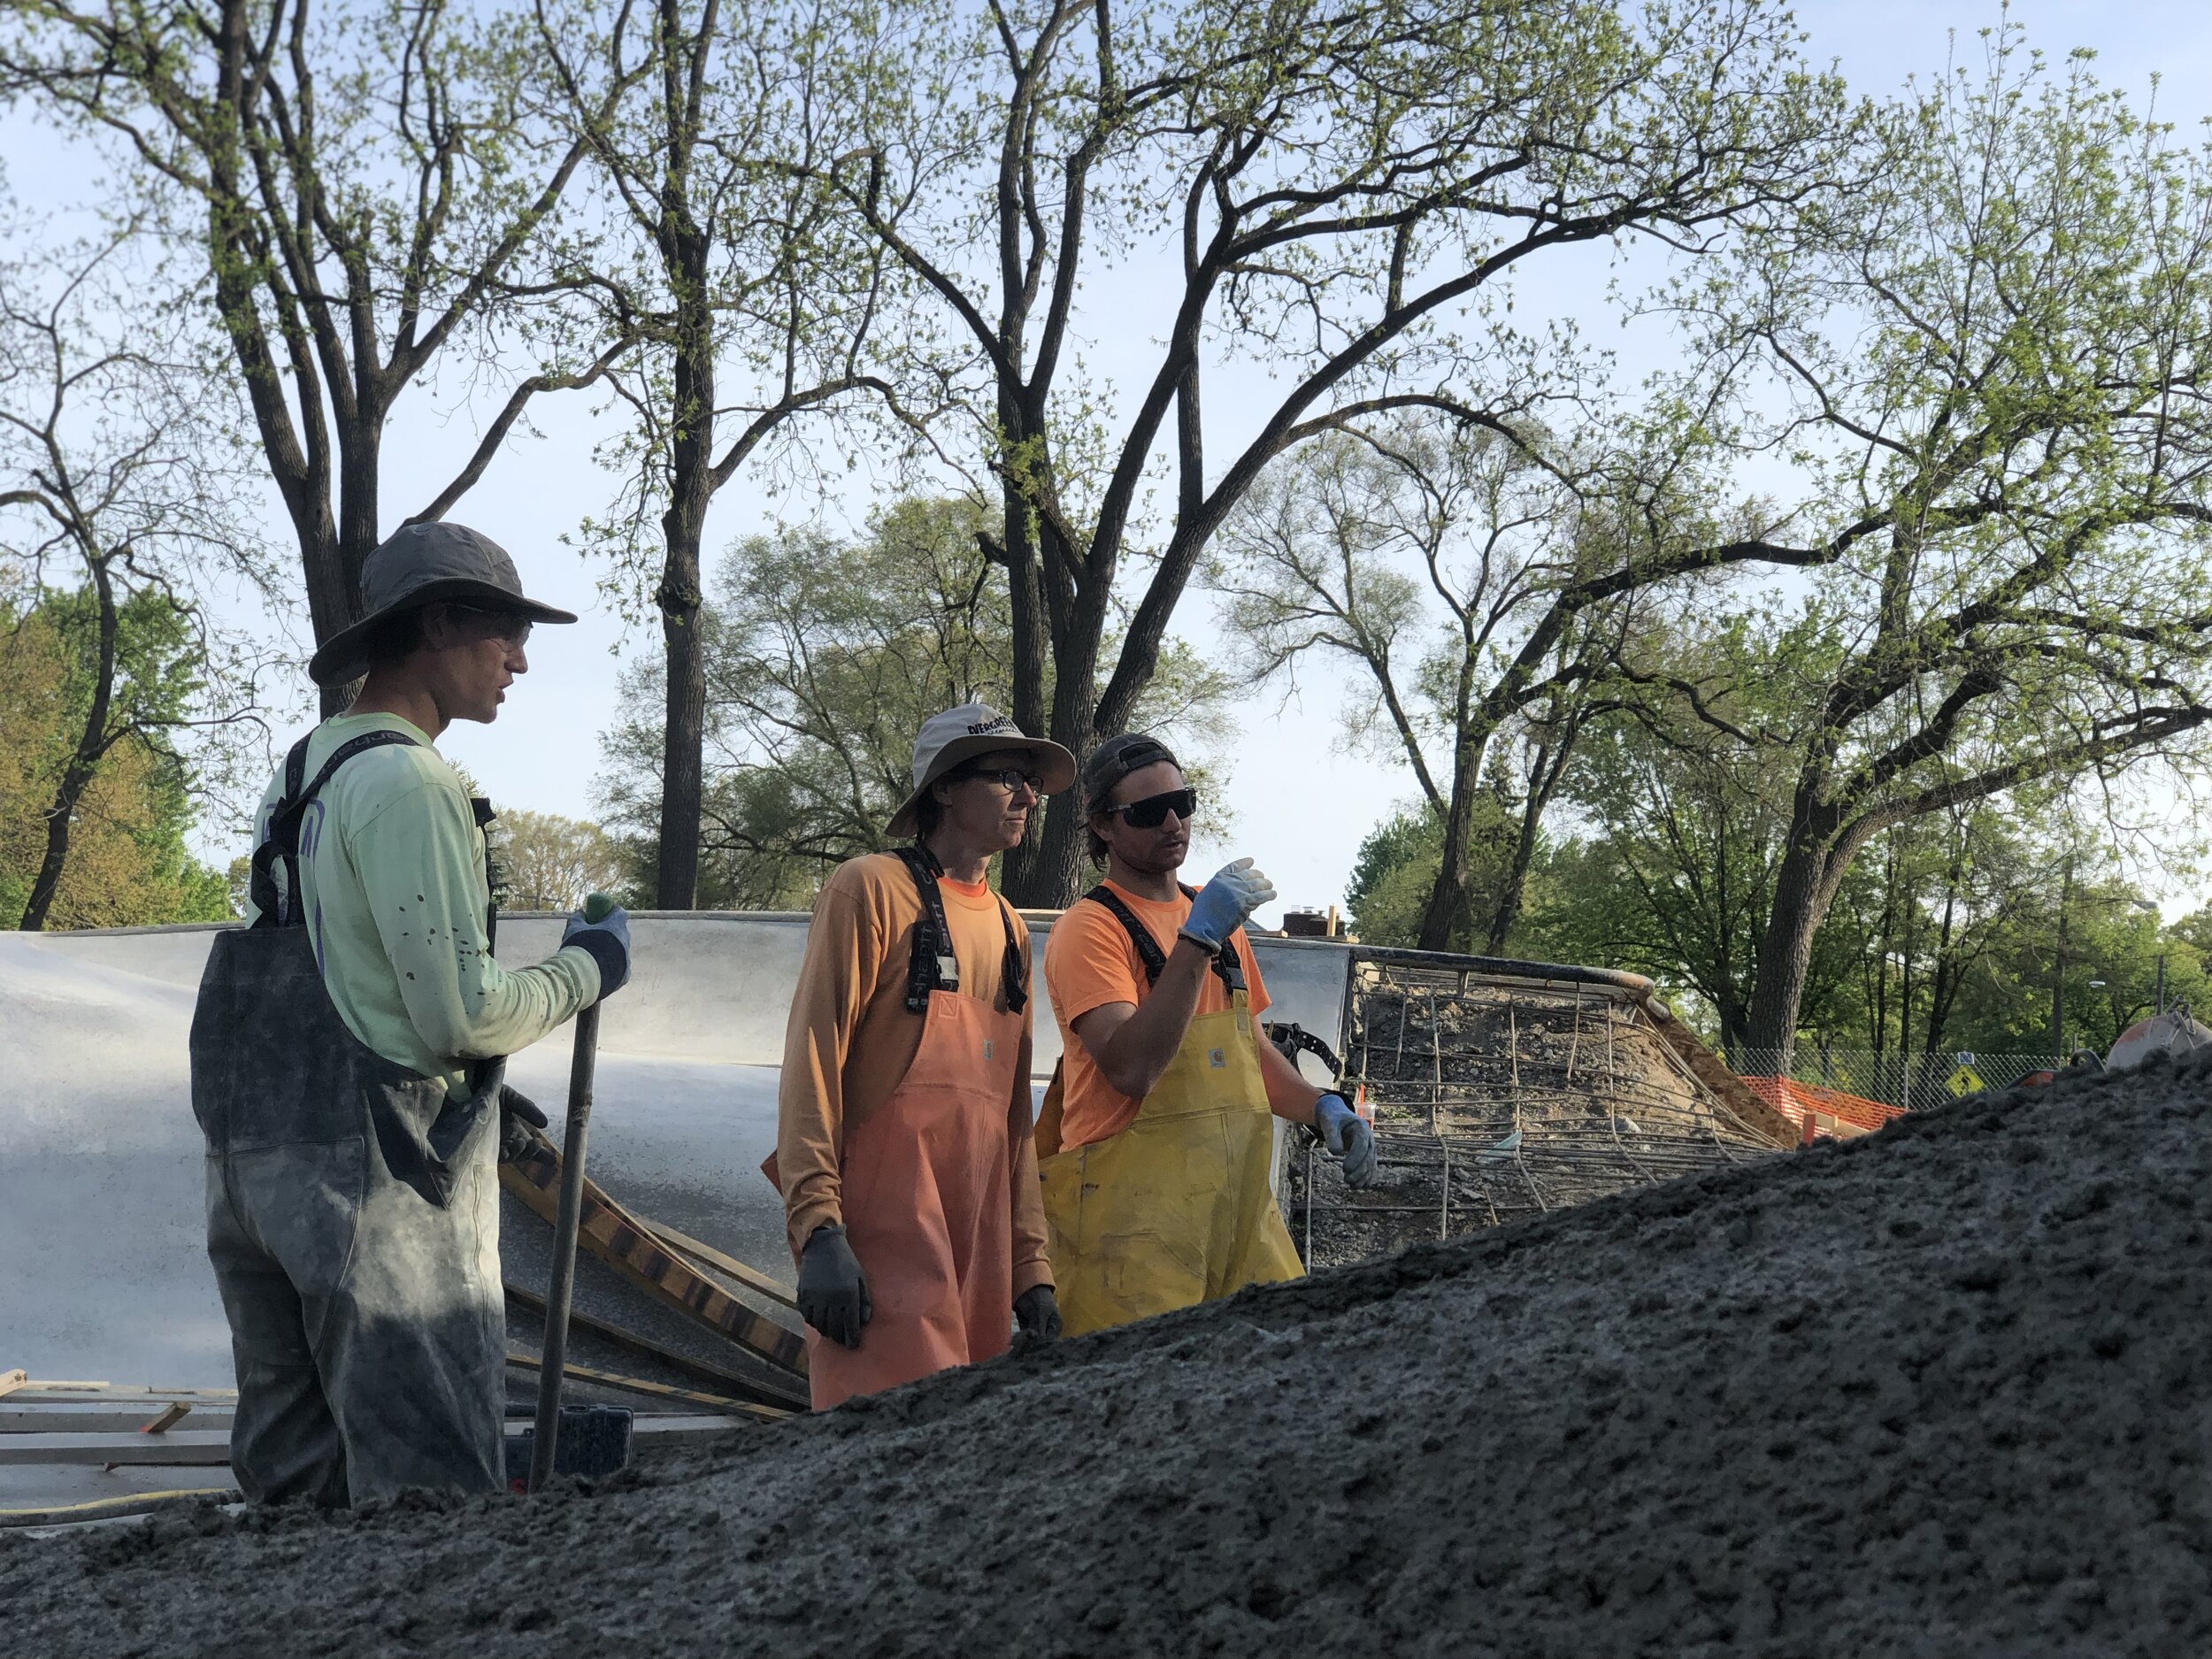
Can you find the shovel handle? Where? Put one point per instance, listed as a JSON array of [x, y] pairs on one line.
[[561, 1288]]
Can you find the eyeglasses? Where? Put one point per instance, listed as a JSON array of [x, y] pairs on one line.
[[1152, 811], [508, 627], [1009, 779]]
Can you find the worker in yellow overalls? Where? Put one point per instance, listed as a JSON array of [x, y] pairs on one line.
[[1155, 1140]]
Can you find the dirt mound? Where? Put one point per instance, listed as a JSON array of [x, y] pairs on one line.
[[1941, 1390]]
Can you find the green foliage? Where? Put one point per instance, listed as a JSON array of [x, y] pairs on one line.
[[128, 865], [824, 658]]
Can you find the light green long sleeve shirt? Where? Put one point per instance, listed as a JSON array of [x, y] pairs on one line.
[[392, 873]]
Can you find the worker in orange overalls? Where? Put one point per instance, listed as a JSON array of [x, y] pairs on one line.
[[903, 1147]]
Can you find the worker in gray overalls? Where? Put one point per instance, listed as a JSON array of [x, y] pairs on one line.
[[346, 1058]]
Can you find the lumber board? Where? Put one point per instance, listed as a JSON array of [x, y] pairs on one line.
[[182, 1446], [210, 1447], [750, 1277], [792, 1394], [18, 1417], [656, 1391], [628, 1246], [108, 1394]]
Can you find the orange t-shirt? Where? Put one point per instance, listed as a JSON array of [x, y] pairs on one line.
[[1090, 961], [850, 1040]]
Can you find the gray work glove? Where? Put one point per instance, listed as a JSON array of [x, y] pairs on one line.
[[833, 1291], [519, 1116], [1037, 1314], [1348, 1135], [608, 942], [1223, 904]]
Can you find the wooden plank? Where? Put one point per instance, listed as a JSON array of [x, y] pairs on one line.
[[211, 1447], [627, 1245], [12, 1380], [204, 1446], [88, 1418], [751, 1278], [104, 1393], [792, 1392], [169, 1416], [656, 1391]]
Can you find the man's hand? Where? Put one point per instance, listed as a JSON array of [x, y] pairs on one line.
[[1348, 1135], [1223, 904], [519, 1116], [833, 1291], [607, 941], [1037, 1314]]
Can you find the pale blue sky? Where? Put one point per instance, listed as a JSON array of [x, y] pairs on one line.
[[1299, 805]]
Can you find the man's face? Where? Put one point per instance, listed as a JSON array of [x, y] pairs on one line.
[[470, 657], [1156, 851], [979, 807]]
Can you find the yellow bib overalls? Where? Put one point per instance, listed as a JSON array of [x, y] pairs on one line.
[[1175, 1210]]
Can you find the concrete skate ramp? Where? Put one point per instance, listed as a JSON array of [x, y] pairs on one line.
[[103, 1273]]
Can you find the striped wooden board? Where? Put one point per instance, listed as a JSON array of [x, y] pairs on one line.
[[789, 1392], [629, 1246], [751, 1278], [656, 1391]]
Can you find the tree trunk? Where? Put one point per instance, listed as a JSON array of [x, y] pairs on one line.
[[1447, 916], [691, 487], [1803, 888], [360, 453], [77, 775]]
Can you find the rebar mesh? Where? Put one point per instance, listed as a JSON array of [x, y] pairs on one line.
[[1496, 1098]]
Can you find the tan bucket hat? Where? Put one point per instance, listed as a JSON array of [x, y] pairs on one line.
[[960, 734], [423, 564]]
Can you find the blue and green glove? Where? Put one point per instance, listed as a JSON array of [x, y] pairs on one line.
[[1224, 903]]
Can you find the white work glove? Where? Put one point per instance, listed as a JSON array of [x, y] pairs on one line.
[[1223, 903]]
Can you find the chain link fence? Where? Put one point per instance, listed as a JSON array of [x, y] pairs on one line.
[[1907, 1082]]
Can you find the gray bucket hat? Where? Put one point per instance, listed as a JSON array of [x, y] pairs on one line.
[[960, 734], [423, 564]]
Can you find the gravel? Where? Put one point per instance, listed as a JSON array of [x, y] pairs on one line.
[[1941, 1390]]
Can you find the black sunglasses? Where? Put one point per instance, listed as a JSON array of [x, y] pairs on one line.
[[1152, 811]]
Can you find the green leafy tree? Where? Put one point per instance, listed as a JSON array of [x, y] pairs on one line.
[[756, 304], [824, 658], [371, 196], [547, 862], [1345, 191], [1990, 354], [114, 515], [126, 862]]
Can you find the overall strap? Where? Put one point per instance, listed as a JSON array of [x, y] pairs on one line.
[[1226, 966], [283, 840], [933, 966], [1017, 982]]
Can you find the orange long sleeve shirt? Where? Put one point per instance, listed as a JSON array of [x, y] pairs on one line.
[[851, 1041]]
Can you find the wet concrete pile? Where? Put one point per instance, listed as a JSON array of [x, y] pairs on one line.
[[1939, 1391]]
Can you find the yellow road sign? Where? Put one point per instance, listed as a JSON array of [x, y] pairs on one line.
[[1965, 1080]]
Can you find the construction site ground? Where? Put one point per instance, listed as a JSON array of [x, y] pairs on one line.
[[1941, 1390]]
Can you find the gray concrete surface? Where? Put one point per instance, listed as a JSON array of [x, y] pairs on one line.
[[101, 1235]]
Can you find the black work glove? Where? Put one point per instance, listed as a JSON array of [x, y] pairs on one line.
[[519, 1115], [833, 1291], [1037, 1314]]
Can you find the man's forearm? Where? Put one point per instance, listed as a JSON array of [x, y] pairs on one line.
[[1140, 1051], [1289, 1096]]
